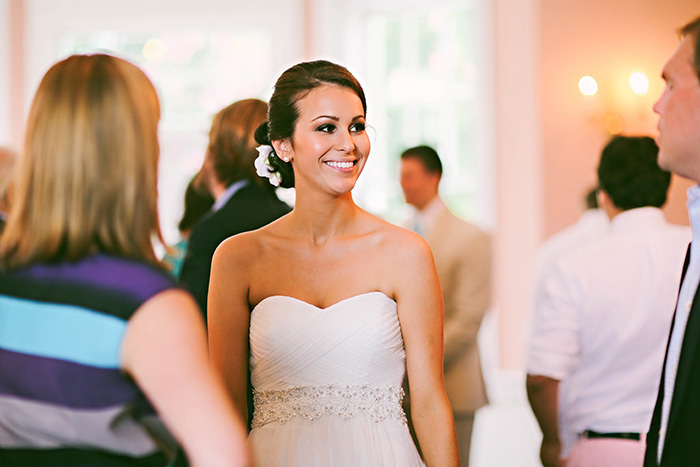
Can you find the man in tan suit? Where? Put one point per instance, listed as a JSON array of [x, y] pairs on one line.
[[462, 255]]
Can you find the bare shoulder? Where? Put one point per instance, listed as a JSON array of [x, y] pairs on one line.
[[238, 247], [245, 246], [402, 247]]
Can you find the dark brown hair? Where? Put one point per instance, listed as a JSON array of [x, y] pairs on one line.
[[692, 31], [283, 112]]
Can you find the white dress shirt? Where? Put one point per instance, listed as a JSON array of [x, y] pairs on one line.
[[685, 301], [601, 323], [591, 226]]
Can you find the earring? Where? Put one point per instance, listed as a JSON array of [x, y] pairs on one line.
[[285, 158]]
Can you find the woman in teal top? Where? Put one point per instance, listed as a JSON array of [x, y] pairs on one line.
[[92, 332]]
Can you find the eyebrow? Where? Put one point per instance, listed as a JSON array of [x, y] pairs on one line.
[[334, 118], [331, 117]]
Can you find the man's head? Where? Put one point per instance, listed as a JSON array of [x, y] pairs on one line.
[[629, 174], [421, 171], [679, 107]]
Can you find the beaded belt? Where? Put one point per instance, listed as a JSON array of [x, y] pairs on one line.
[[311, 402]]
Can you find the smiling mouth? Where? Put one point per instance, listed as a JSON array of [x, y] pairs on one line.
[[341, 164]]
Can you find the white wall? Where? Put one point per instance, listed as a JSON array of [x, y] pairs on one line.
[[48, 21], [182, 149], [5, 45]]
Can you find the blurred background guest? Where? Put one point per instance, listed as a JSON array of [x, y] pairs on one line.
[[602, 319], [7, 162], [198, 201], [462, 254], [93, 333], [243, 201], [591, 226]]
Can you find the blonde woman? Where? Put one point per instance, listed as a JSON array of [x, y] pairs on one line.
[[329, 304], [93, 334]]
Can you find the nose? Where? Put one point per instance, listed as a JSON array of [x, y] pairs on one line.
[[660, 104], [345, 143]]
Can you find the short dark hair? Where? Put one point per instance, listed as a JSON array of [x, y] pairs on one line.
[[692, 31], [292, 86], [427, 156], [629, 173]]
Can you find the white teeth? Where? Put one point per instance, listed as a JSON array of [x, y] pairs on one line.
[[340, 165]]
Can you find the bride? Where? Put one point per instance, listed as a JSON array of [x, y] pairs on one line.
[[329, 305]]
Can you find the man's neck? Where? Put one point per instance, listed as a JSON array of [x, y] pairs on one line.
[[427, 204]]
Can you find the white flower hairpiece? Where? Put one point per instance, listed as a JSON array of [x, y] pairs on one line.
[[263, 167]]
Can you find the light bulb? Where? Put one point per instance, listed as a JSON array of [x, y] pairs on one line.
[[639, 83], [588, 86]]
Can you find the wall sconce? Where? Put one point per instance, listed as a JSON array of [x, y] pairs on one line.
[[588, 86], [605, 110], [639, 83]]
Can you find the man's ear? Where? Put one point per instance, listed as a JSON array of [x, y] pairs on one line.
[[436, 180], [284, 149], [606, 203]]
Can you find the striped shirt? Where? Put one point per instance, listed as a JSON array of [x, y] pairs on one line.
[[64, 400]]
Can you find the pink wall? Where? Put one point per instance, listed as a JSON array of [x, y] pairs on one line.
[[607, 39], [518, 179], [548, 137]]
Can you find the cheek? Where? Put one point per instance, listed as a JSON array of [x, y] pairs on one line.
[[682, 114], [363, 145], [312, 146]]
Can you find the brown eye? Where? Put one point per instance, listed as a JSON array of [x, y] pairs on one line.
[[326, 128], [358, 128]]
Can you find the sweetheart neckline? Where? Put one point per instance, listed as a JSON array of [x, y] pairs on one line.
[[329, 306]]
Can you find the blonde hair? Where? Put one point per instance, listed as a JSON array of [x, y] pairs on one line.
[[87, 180], [7, 162]]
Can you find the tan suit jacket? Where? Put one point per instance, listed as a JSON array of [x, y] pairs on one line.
[[462, 254]]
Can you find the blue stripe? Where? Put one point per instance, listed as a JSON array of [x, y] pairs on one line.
[[64, 332]]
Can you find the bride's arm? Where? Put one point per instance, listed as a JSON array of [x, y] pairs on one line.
[[228, 318], [420, 306]]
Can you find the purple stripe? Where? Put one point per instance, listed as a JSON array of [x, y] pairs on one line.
[[134, 278], [63, 383]]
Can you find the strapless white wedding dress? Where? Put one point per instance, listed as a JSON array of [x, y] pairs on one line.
[[328, 384]]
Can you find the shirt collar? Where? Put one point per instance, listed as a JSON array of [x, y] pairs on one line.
[[637, 219], [694, 211], [431, 212], [230, 191]]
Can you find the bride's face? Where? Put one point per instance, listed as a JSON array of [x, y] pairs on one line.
[[330, 146]]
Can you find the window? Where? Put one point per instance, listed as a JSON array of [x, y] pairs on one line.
[[196, 73], [422, 76]]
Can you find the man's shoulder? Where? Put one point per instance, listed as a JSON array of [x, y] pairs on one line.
[[459, 232], [661, 241]]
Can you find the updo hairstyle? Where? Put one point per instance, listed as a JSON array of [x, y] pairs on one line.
[[283, 111]]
